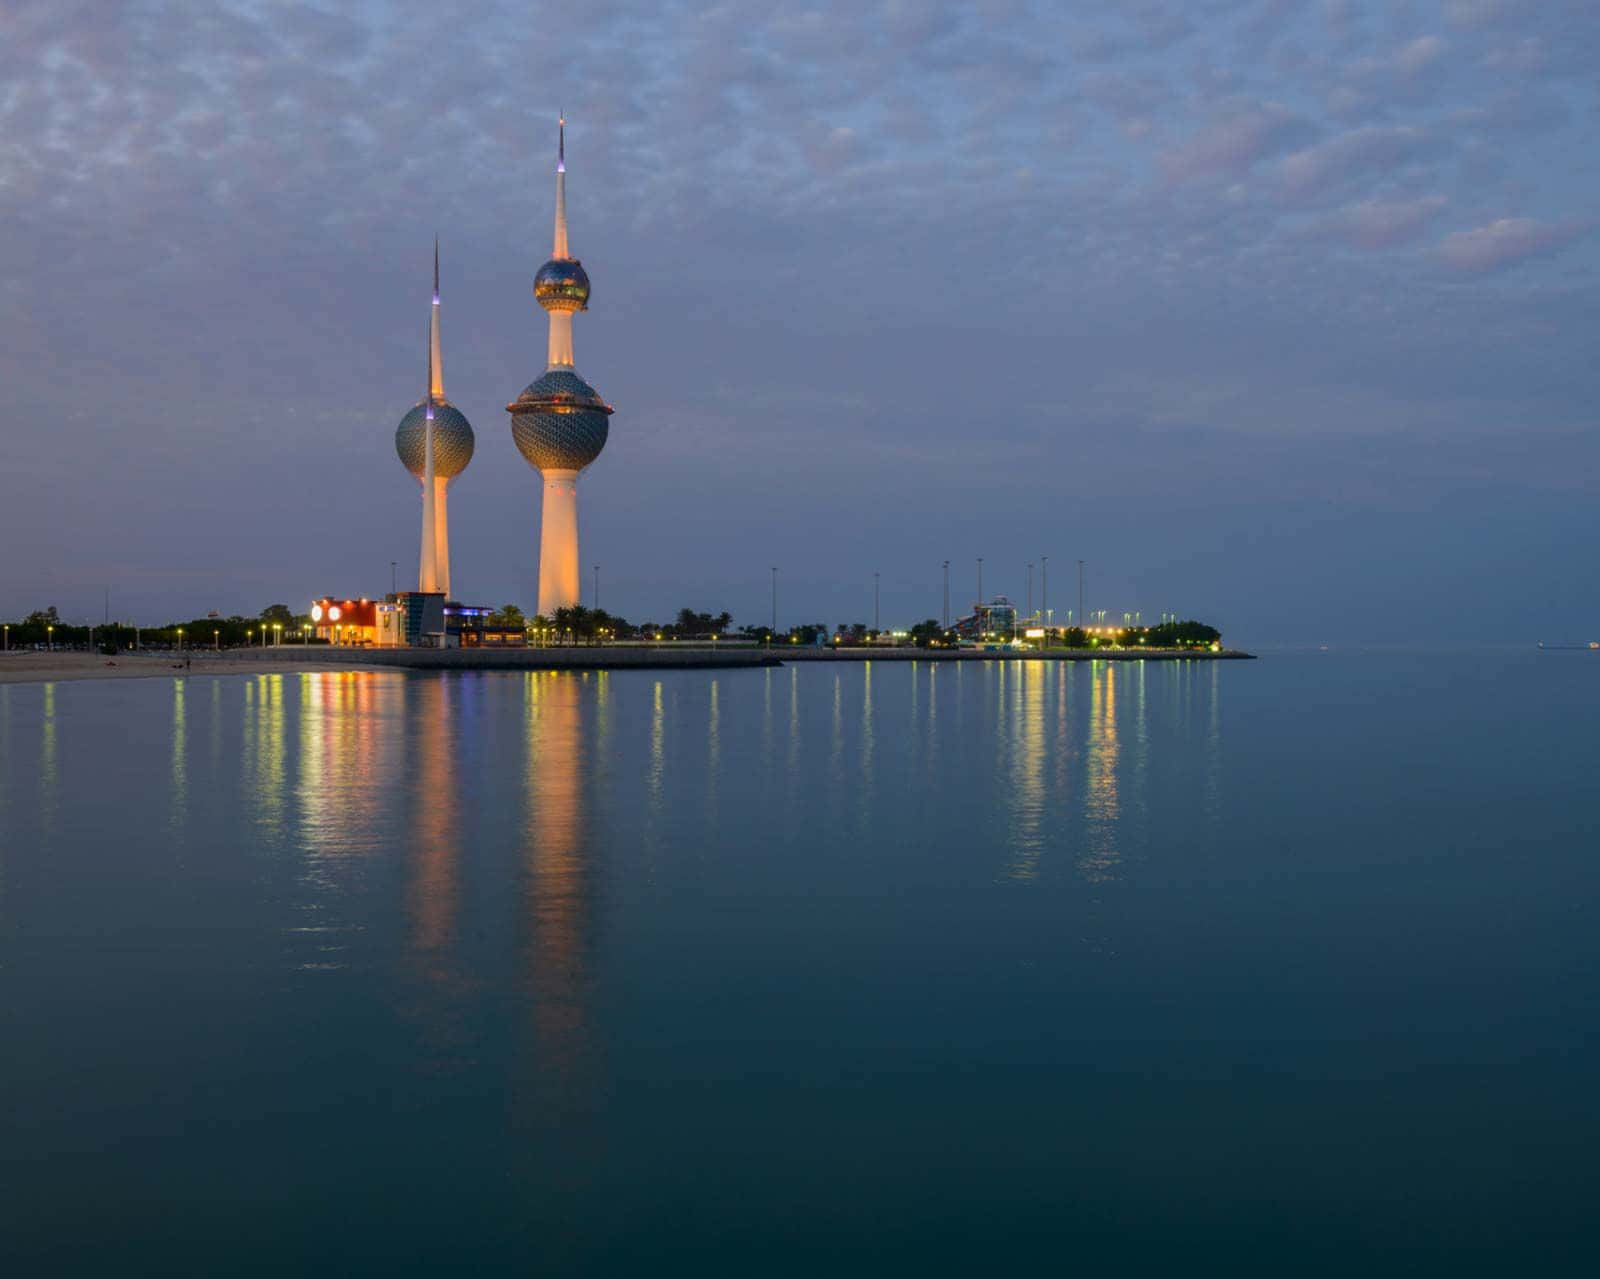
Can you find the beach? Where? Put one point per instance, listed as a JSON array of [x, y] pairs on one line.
[[54, 667]]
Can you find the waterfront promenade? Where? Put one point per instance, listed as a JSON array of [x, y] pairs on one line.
[[48, 667]]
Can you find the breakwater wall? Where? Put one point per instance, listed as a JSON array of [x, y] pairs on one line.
[[580, 657], [685, 656]]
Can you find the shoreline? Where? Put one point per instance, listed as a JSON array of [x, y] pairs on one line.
[[64, 667], [58, 667]]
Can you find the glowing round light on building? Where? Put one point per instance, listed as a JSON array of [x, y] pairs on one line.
[[333, 613], [316, 612]]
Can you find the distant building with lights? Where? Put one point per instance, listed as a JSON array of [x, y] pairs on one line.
[[996, 619], [411, 619], [360, 622]]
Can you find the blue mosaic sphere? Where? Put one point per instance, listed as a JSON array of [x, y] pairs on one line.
[[559, 422], [452, 440]]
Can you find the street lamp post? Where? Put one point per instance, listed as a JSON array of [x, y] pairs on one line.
[[1044, 586], [774, 603], [180, 639], [1082, 617], [875, 625], [277, 635], [1030, 588], [216, 641], [947, 595], [50, 638]]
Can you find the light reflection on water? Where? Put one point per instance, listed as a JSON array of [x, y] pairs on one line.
[[457, 839], [48, 789], [586, 958], [558, 890]]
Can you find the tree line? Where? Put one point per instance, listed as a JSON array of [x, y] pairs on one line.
[[44, 627], [574, 625]]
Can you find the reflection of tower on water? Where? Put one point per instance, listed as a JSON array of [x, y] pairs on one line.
[[433, 893], [558, 897], [435, 888]]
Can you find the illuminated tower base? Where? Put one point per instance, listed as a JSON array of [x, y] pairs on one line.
[[558, 543], [433, 569]]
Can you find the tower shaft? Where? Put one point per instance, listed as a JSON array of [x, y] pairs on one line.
[[428, 567], [441, 534], [560, 340], [558, 543]]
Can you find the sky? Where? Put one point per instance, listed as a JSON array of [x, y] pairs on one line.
[[1281, 315]]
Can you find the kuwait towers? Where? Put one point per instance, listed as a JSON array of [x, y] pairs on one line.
[[560, 422], [434, 442]]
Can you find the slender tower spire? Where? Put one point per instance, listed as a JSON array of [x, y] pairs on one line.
[[436, 373], [559, 250], [560, 347], [428, 568]]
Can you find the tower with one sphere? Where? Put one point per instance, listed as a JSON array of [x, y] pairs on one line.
[[435, 442], [559, 422]]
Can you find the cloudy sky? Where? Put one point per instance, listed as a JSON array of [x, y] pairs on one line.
[[1281, 314]]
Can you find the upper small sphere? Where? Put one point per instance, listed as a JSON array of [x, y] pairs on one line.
[[562, 285], [452, 440]]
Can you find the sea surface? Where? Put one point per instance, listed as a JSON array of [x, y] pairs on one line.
[[1288, 966]]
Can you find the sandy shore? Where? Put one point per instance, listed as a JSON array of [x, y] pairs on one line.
[[44, 668]]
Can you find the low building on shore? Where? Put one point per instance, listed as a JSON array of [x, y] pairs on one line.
[[411, 619]]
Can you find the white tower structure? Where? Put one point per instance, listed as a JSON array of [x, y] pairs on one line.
[[559, 422], [435, 442]]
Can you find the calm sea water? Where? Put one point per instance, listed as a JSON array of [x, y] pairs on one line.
[[1275, 967]]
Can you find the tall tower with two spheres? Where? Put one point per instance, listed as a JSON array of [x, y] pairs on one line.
[[559, 422]]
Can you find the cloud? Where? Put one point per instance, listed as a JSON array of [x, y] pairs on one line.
[[1381, 224], [1232, 144], [1505, 243], [222, 214], [1350, 155], [1409, 59]]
